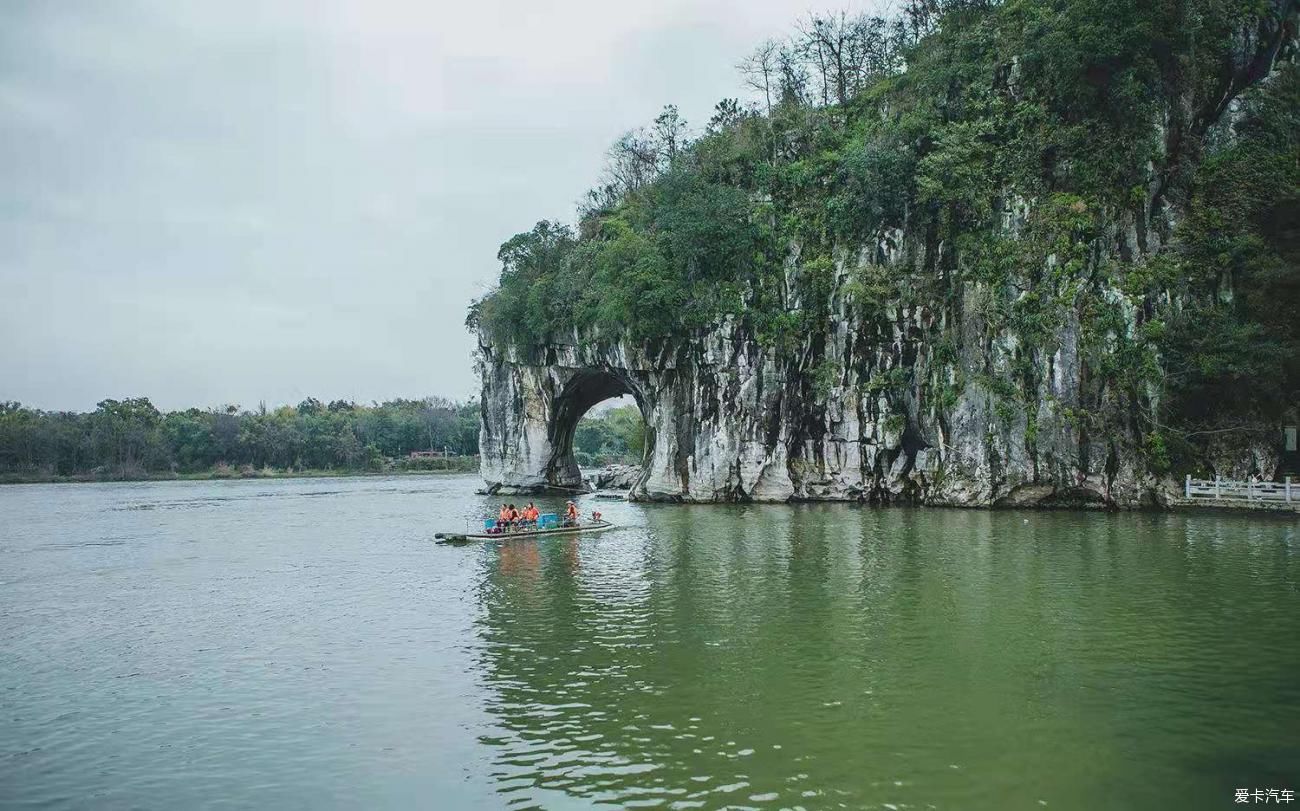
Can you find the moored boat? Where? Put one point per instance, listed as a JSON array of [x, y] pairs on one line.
[[514, 534]]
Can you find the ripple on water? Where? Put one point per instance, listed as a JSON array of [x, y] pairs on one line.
[[303, 644]]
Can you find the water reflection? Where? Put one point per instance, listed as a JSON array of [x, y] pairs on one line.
[[322, 652], [819, 655]]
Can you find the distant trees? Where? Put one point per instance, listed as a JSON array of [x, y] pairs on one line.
[[125, 434], [617, 435], [131, 438]]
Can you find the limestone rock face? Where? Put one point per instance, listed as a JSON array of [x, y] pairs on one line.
[[902, 404], [730, 420], [617, 477], [894, 404]]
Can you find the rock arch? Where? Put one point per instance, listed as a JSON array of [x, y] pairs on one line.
[[714, 430], [583, 389], [531, 405], [868, 414]]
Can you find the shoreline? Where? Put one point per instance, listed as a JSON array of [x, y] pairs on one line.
[[90, 478], [1173, 507]]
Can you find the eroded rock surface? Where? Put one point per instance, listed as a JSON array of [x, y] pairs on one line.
[[616, 477], [726, 421], [907, 408]]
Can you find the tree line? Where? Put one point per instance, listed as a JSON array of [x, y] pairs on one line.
[[131, 438], [615, 435]]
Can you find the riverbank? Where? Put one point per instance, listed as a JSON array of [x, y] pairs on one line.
[[228, 474], [1234, 505]]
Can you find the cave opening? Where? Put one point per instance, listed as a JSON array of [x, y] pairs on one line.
[[583, 435]]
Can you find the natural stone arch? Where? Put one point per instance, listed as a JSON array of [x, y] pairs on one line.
[[583, 390], [714, 428], [531, 404], [730, 419]]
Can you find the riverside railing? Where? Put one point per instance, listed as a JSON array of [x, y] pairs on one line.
[[1217, 488]]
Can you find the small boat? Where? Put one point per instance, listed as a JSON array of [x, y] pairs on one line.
[[466, 537], [608, 495]]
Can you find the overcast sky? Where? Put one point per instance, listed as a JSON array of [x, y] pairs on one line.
[[232, 202]]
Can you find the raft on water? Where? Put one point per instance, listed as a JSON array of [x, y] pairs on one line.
[[465, 537]]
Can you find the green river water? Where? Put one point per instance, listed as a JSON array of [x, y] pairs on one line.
[[304, 644]]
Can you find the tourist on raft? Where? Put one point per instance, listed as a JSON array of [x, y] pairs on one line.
[[571, 514], [530, 515]]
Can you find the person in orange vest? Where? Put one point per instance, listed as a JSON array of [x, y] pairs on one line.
[[514, 517], [571, 514], [531, 513], [503, 517]]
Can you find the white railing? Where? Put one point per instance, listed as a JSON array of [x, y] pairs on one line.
[[1217, 488]]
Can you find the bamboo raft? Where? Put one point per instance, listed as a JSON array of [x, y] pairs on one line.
[[466, 537]]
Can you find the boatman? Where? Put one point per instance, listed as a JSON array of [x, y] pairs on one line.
[[571, 514]]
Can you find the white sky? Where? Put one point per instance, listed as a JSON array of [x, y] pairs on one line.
[[234, 202]]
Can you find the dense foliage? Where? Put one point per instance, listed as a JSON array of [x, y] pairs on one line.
[[1015, 142], [1234, 350], [614, 435], [132, 439]]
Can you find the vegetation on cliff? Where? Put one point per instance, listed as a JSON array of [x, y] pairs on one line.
[[131, 439], [1128, 163]]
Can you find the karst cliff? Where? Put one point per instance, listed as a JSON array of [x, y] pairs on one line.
[[1011, 339]]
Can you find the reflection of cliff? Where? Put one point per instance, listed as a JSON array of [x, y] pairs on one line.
[[721, 654]]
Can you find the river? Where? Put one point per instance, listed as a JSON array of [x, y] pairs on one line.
[[304, 644]]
